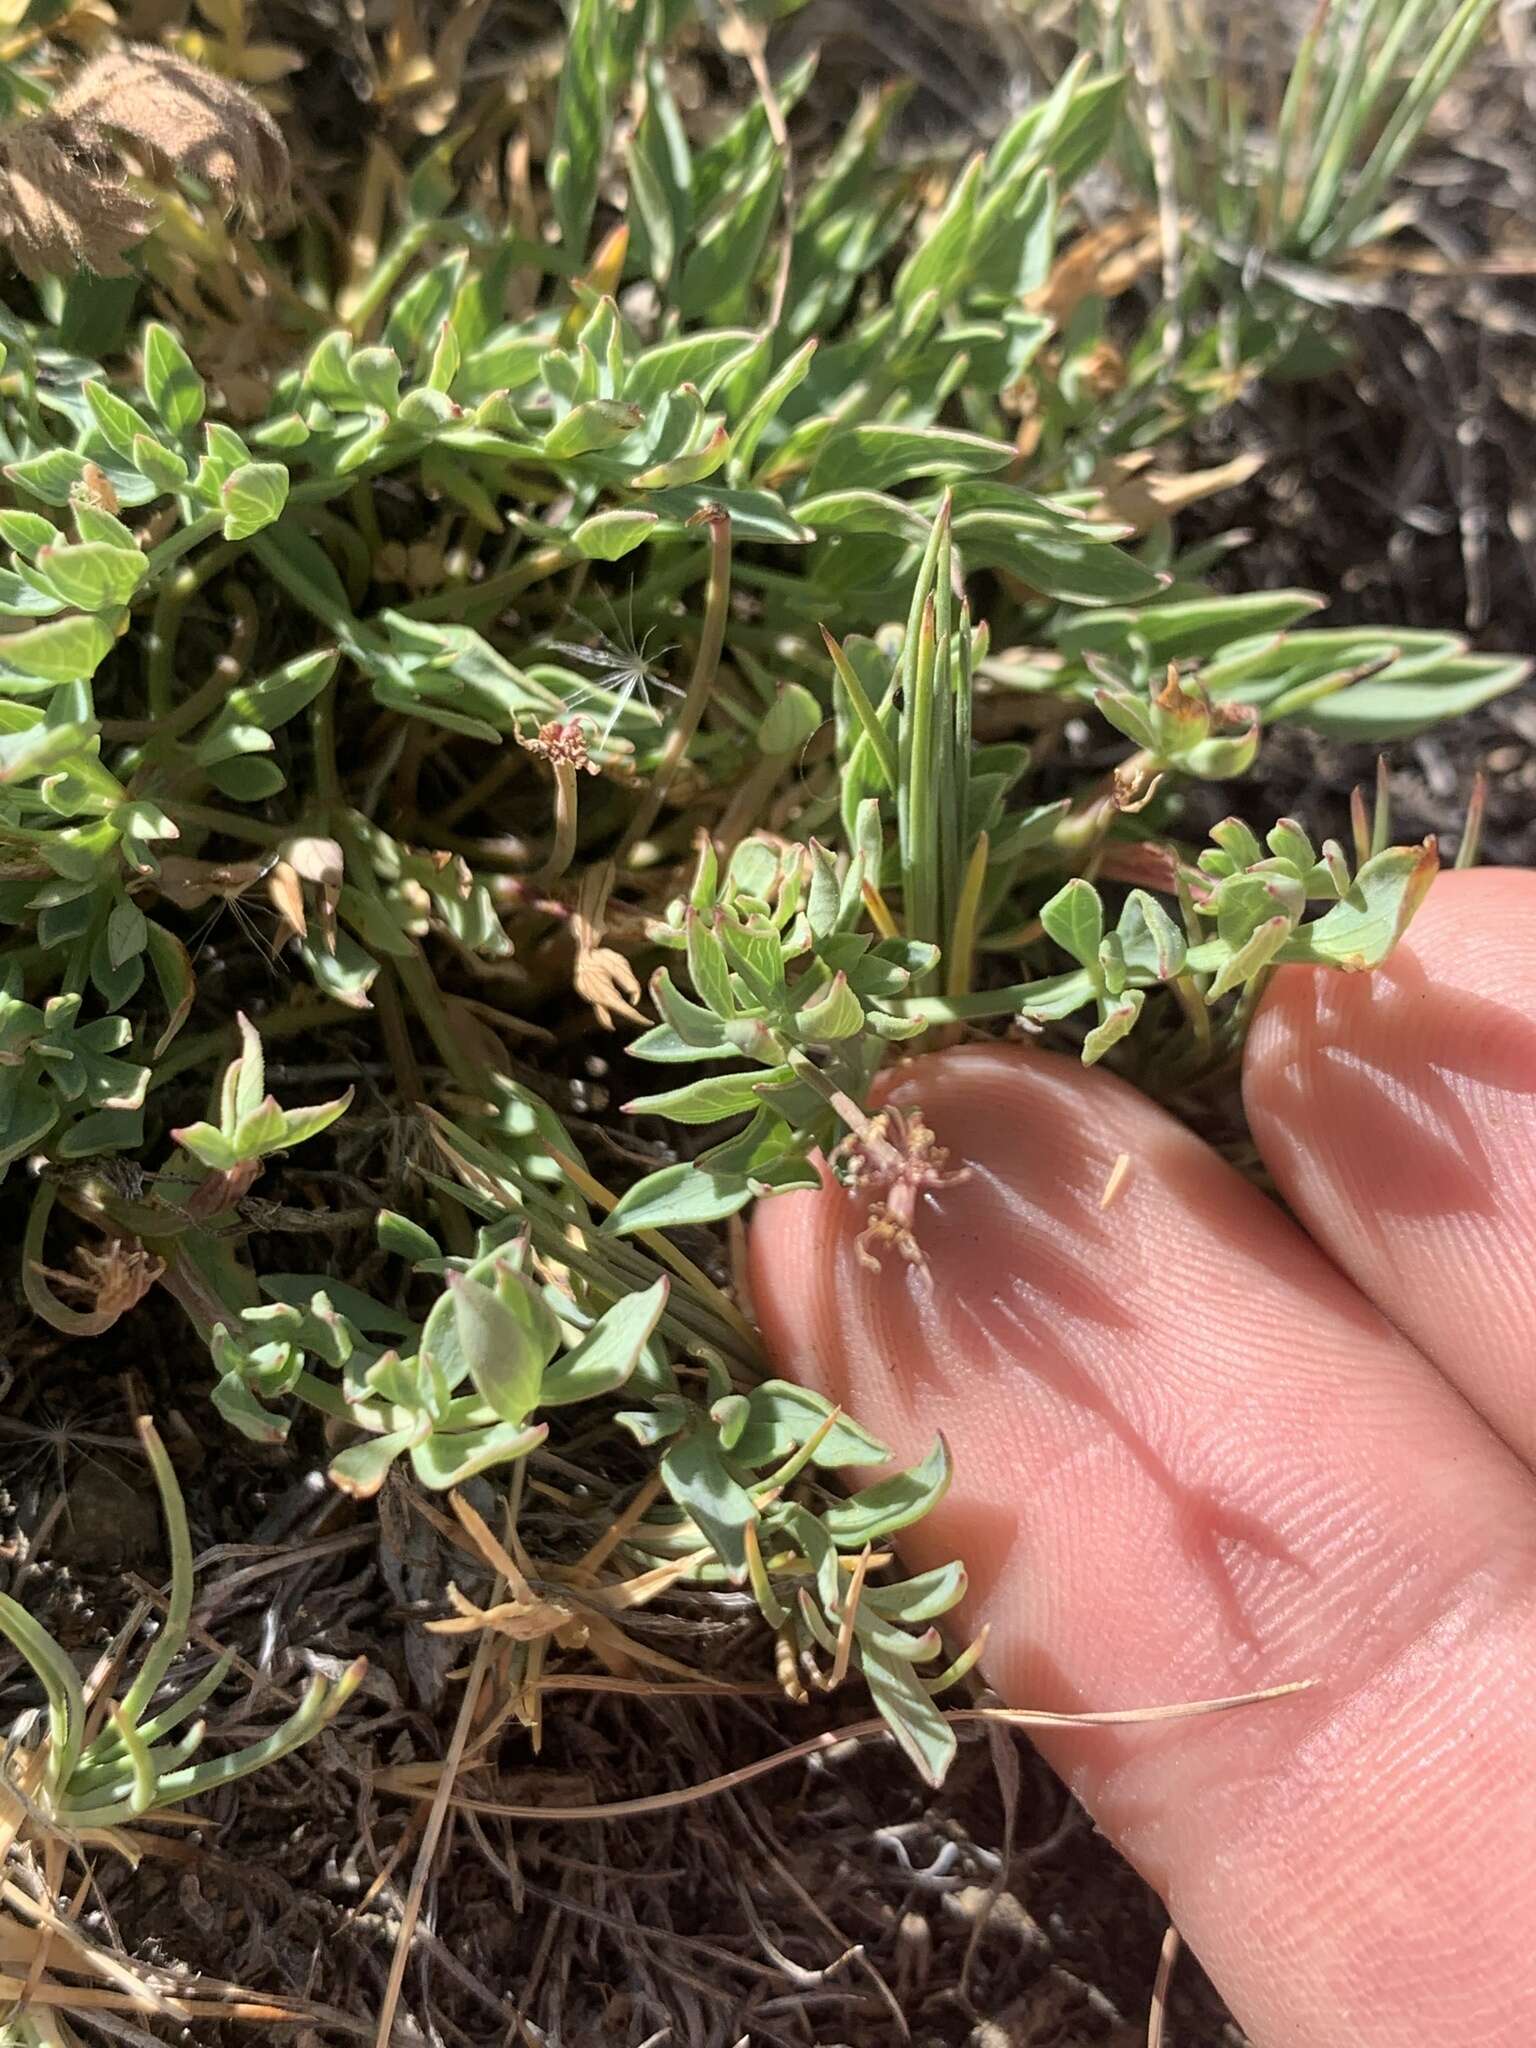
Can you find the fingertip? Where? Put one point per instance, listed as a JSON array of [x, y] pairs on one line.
[[1464, 971], [1190, 1460], [1475, 932], [1397, 1113], [1484, 918]]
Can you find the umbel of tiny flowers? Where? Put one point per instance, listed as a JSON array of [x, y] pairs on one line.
[[890, 1159]]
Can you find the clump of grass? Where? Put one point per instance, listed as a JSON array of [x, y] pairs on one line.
[[79, 1778], [898, 687]]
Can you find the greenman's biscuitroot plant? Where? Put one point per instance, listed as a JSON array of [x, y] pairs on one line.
[[719, 607]]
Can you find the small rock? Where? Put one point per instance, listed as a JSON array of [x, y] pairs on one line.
[[111, 1518]]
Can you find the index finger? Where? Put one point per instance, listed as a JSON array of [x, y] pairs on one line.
[[1190, 1460]]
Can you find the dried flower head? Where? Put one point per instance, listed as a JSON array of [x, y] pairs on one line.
[[63, 204], [113, 1280], [1135, 784], [66, 191], [561, 742]]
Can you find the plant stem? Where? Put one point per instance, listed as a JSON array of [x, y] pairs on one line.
[[358, 308], [167, 1645], [870, 721], [962, 939], [476, 599], [234, 823], [192, 535], [563, 851], [207, 697], [426, 999], [160, 644], [322, 733], [994, 1002], [745, 810], [717, 596]]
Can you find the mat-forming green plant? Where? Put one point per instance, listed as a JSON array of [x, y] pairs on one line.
[[594, 604]]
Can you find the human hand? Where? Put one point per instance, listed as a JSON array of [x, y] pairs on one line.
[[1199, 1453]]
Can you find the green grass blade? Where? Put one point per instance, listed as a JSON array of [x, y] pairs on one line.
[[918, 794], [1455, 44], [60, 1683], [1367, 93], [920, 840], [1344, 113], [167, 1646], [1292, 113], [869, 719]]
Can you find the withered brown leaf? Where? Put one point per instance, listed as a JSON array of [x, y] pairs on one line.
[[1135, 495], [191, 883], [602, 977], [1101, 263]]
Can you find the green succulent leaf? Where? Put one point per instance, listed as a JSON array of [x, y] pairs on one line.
[[1074, 917], [1151, 944], [93, 577], [44, 656], [52, 477], [904, 1703], [116, 418], [891, 1504], [498, 1330], [675, 1197], [252, 497], [609, 536], [442, 1461], [1363, 927], [171, 383], [837, 1014], [700, 1481], [871, 456], [608, 1354], [779, 1417], [361, 1469], [704, 1102]]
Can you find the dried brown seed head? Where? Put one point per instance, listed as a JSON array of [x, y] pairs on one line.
[[113, 1280], [180, 121], [63, 204], [65, 193], [1134, 785], [602, 976]]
